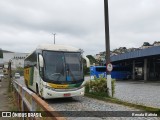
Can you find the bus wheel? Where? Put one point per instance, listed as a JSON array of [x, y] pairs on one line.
[[26, 82], [37, 90]]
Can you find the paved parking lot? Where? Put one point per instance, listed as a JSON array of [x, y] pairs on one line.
[[144, 93], [139, 92]]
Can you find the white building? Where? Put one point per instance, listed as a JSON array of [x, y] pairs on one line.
[[17, 59], [146, 45], [156, 43]]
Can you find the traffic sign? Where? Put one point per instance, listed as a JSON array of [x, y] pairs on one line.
[[109, 67]]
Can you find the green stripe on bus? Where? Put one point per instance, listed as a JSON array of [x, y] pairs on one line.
[[31, 75], [74, 85]]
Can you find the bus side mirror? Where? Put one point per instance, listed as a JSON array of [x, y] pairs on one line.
[[41, 61], [87, 61]]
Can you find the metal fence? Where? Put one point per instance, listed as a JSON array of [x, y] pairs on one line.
[[27, 101]]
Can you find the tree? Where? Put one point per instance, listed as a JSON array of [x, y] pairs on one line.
[[91, 59]]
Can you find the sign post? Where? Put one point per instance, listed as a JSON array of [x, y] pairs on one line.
[[109, 67], [107, 43], [109, 85]]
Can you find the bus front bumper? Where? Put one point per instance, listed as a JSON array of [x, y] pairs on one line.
[[51, 93]]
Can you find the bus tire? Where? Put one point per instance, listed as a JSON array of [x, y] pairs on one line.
[[37, 90], [26, 83]]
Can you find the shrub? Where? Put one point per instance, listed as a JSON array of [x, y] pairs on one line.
[[19, 70], [86, 70], [113, 86], [99, 87]]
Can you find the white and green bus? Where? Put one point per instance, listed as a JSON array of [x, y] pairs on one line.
[[55, 71]]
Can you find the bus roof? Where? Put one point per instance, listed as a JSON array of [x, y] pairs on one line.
[[98, 66], [105, 66], [55, 47]]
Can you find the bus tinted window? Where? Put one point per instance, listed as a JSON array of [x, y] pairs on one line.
[[101, 69], [121, 69], [118, 72], [62, 66], [54, 65], [73, 60]]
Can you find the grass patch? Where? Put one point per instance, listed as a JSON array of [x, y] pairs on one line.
[[9, 84], [117, 101], [12, 102], [11, 97]]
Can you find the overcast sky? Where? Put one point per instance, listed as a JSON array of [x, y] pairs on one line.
[[24, 24]]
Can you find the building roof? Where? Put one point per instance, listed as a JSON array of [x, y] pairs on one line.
[[155, 50], [5, 51]]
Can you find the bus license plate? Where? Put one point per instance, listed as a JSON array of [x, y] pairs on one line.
[[67, 94]]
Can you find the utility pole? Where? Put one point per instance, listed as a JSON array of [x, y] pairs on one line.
[[10, 76], [54, 37], [107, 44]]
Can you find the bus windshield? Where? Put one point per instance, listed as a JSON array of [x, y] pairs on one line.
[[63, 67]]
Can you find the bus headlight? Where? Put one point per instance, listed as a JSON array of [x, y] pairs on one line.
[[48, 87]]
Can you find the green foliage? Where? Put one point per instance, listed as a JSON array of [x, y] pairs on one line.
[[19, 70], [86, 70], [99, 87], [113, 86], [91, 59]]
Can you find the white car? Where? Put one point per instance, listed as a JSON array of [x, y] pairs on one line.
[[1, 76], [17, 75]]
